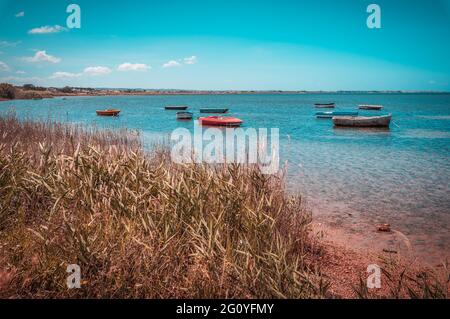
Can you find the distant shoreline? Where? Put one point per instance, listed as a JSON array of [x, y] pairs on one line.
[[23, 93]]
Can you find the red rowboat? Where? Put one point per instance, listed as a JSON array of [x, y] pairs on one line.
[[220, 121], [108, 112]]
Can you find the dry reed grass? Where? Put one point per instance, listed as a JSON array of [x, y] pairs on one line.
[[405, 280], [140, 226]]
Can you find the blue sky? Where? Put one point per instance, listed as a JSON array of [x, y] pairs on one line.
[[246, 44]]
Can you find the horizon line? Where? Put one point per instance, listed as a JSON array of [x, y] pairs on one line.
[[234, 90]]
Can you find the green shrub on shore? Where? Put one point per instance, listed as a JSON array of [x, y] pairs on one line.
[[139, 225]]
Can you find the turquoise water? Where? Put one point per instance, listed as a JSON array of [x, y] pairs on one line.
[[353, 178]]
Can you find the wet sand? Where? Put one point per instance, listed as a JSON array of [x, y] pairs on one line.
[[345, 257], [367, 239]]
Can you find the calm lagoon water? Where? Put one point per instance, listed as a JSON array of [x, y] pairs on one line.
[[353, 178]]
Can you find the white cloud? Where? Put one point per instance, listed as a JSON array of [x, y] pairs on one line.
[[20, 81], [47, 29], [97, 70], [21, 72], [133, 67], [171, 64], [4, 44], [61, 75], [42, 56], [4, 67], [20, 14], [174, 63], [190, 60]]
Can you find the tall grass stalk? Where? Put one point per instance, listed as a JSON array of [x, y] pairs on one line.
[[141, 226]]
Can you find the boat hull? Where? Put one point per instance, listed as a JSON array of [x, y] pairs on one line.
[[371, 107], [220, 121], [184, 115], [176, 108], [329, 115], [360, 121], [325, 106], [218, 111], [107, 112]]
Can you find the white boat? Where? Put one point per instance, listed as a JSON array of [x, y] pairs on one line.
[[363, 121]]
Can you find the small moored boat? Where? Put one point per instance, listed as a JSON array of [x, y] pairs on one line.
[[222, 111], [329, 115], [176, 108], [220, 121], [184, 115], [325, 105], [371, 107], [111, 112], [363, 121]]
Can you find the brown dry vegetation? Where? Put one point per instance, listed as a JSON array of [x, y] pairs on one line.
[[141, 226]]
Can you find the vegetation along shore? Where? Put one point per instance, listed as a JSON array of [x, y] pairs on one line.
[[139, 225], [30, 91]]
